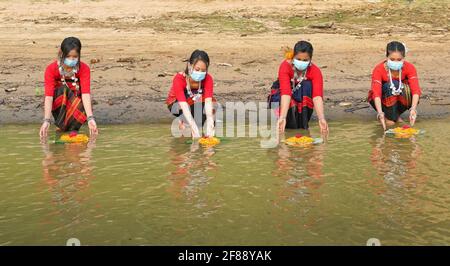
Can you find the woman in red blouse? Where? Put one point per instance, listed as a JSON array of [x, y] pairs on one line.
[[67, 91], [299, 90], [395, 87], [193, 90]]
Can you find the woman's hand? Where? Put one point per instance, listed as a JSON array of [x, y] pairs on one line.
[[281, 124], [412, 116], [323, 125], [43, 132], [380, 117], [93, 130], [195, 131], [210, 132]]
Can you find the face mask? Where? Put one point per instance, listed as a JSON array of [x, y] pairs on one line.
[[394, 65], [301, 65], [70, 62], [198, 75]]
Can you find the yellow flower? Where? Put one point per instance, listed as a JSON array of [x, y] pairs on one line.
[[405, 132], [299, 140], [209, 141], [288, 53], [78, 138]]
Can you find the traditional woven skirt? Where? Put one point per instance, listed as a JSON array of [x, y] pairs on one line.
[[68, 110], [175, 108], [393, 105], [301, 106]]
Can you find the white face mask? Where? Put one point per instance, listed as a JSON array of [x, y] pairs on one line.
[[301, 65], [394, 65], [198, 75]]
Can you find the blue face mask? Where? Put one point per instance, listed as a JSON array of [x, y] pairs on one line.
[[70, 62], [301, 65], [394, 65], [198, 75]]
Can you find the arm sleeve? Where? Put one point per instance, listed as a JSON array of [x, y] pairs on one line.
[[209, 84], [85, 79], [317, 83], [284, 77], [49, 81], [178, 86], [413, 81], [376, 83]]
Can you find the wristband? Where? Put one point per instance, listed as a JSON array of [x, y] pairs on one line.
[[48, 120], [90, 118]]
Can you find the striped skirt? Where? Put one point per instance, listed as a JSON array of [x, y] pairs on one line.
[[68, 110]]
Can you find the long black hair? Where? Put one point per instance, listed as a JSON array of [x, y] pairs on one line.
[[304, 47], [197, 55], [395, 47], [69, 44]]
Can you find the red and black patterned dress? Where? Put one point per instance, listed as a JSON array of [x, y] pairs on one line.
[[66, 89], [181, 92], [302, 87], [385, 87]]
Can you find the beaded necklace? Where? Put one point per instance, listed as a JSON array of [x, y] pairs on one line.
[[69, 74], [195, 97], [395, 90], [296, 78]]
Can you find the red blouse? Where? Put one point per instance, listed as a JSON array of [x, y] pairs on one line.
[[380, 75], [179, 85], [53, 78], [286, 74]]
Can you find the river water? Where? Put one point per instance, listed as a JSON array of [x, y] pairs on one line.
[[137, 185]]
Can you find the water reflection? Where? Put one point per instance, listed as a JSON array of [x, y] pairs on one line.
[[395, 160], [192, 165], [140, 186], [300, 169], [398, 185], [67, 171]]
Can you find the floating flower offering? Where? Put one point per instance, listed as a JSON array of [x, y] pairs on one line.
[[74, 137], [209, 141], [403, 132], [299, 140]]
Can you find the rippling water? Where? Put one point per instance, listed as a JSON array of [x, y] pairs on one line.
[[138, 185]]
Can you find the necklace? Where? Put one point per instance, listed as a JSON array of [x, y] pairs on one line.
[[299, 80], [195, 97], [69, 74], [395, 90]]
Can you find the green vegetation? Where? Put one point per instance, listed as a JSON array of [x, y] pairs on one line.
[[401, 14]]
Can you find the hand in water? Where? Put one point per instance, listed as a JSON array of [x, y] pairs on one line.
[[195, 131], [412, 116], [380, 117], [210, 132], [281, 124], [324, 130], [43, 132], [93, 130]]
